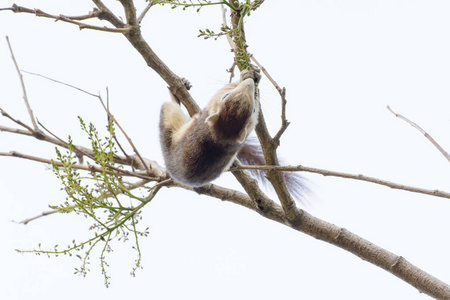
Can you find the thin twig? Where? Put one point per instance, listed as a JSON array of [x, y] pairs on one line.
[[129, 187], [144, 12], [126, 135], [282, 92], [80, 151], [443, 152], [230, 42], [15, 130], [5, 114], [25, 97], [43, 214], [261, 67], [324, 172], [284, 122], [224, 25], [53, 135], [60, 82], [89, 168], [73, 20], [107, 111]]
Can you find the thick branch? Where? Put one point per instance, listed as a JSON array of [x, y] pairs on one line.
[[130, 12], [338, 236], [269, 148], [397, 265], [135, 37]]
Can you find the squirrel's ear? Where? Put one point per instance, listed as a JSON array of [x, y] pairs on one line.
[[212, 119], [242, 135]]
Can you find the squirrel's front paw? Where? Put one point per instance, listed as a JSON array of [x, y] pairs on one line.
[[186, 83], [254, 72]]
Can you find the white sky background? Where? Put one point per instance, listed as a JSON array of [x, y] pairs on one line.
[[342, 62]]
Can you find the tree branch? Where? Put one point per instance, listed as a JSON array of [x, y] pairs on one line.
[[89, 168], [144, 12], [136, 39], [361, 177], [43, 214], [73, 20], [25, 97], [396, 265], [269, 148], [282, 92], [433, 141]]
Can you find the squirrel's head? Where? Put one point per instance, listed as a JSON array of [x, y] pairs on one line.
[[233, 111]]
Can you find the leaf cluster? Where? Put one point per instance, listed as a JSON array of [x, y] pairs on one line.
[[198, 4], [103, 197], [208, 33]]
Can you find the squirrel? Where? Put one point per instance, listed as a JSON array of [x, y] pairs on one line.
[[197, 150]]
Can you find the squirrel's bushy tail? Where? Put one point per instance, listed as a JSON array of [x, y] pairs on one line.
[[251, 154]]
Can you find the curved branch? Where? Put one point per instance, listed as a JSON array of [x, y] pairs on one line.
[[397, 265], [73, 20], [433, 141]]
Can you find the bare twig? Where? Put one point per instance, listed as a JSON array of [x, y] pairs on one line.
[[129, 187], [25, 97], [230, 41], [5, 114], [282, 92], [43, 214], [261, 67], [126, 135], [144, 12], [109, 120], [443, 152], [54, 135], [361, 177], [284, 122], [15, 130], [224, 24], [89, 168], [73, 20], [60, 82]]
